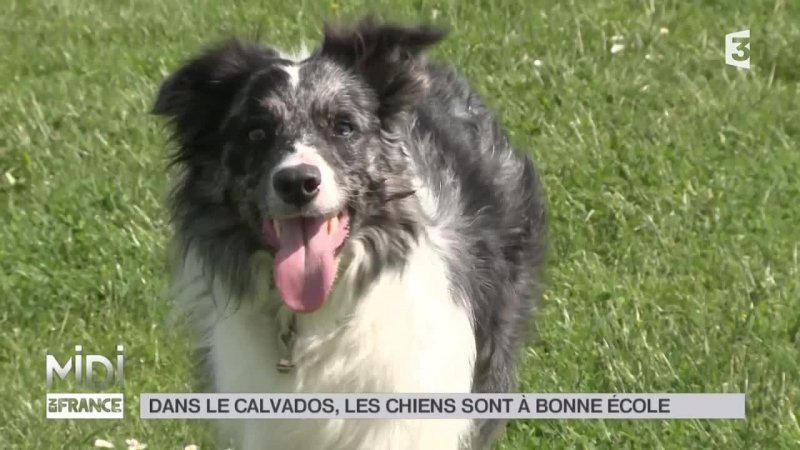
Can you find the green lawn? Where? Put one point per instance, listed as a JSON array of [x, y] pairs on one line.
[[673, 180]]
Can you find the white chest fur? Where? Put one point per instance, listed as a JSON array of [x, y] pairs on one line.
[[406, 333]]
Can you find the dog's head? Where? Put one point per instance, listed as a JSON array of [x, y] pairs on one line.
[[302, 154]]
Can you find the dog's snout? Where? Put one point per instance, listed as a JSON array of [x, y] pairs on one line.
[[297, 185]]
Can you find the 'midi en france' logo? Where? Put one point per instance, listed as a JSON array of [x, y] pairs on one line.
[[85, 405]]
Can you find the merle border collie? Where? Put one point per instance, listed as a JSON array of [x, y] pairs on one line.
[[351, 220]]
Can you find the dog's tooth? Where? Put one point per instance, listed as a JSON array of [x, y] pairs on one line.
[[277, 228], [333, 223]]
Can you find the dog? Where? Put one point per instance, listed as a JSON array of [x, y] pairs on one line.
[[350, 220]]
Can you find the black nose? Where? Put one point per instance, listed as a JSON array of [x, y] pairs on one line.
[[297, 185]]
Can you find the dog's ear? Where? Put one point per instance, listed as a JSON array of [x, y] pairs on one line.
[[387, 56], [197, 96]]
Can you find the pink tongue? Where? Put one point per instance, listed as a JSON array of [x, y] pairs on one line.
[[304, 263]]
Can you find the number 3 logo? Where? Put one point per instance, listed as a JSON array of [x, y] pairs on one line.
[[737, 49]]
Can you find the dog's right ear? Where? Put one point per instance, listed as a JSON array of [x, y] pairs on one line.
[[197, 96], [387, 56]]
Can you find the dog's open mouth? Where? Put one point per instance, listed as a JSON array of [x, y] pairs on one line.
[[306, 250]]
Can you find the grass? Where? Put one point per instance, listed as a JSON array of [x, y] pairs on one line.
[[673, 183]]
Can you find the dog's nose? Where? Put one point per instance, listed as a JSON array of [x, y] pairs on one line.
[[297, 185]]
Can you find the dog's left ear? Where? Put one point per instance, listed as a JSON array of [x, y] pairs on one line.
[[198, 95], [387, 56]]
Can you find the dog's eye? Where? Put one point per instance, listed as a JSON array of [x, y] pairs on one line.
[[256, 134], [343, 127]]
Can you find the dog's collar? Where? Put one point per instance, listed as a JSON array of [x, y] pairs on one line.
[[287, 330]]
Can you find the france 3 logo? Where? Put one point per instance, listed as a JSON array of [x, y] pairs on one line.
[[737, 49], [86, 405]]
